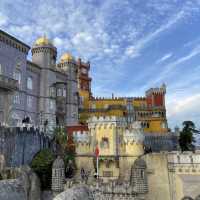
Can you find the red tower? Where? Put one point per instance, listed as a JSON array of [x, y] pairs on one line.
[[84, 81], [155, 97]]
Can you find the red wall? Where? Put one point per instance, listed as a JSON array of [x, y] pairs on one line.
[[158, 100]]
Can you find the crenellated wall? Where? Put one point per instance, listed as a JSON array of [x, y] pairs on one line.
[[19, 145]]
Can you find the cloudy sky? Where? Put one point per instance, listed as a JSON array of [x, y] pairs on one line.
[[132, 45]]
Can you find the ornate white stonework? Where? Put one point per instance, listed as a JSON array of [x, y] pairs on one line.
[[94, 121], [81, 136], [134, 133]]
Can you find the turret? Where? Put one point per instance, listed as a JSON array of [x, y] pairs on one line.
[[44, 52], [58, 175], [68, 64], [44, 55], [156, 96]]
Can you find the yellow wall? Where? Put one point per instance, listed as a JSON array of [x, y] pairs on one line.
[[155, 126], [108, 132], [134, 149], [111, 168], [158, 179], [139, 102], [83, 148], [85, 96], [101, 103]]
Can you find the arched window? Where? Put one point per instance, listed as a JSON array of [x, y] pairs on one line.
[[64, 92], [59, 92], [18, 76], [29, 101], [16, 98], [52, 91], [30, 83]]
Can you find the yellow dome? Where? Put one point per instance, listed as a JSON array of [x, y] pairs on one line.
[[43, 41], [66, 57]]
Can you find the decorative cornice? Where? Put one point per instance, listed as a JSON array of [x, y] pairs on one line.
[[13, 42]]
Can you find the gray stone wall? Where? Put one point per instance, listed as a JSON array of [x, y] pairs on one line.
[[157, 143], [20, 145]]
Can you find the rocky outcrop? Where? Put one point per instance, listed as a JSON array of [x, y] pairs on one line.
[[80, 192], [25, 187], [12, 189]]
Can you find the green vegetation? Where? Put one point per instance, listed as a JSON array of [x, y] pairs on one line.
[[65, 147], [186, 136], [60, 138], [42, 166]]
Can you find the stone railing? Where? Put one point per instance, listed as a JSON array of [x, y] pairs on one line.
[[8, 83]]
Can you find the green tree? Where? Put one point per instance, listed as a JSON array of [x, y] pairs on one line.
[[42, 166], [186, 136]]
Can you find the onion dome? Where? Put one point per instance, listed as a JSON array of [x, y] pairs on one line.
[[66, 57], [43, 41]]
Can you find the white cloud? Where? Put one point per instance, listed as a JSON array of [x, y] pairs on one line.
[[3, 19], [183, 108], [184, 105], [142, 43], [164, 58], [170, 68]]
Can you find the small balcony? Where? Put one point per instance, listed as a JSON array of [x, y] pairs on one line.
[[8, 84]]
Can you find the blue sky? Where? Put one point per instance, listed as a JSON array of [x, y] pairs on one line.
[[132, 45]]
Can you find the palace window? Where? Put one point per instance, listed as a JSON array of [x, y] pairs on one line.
[[84, 71], [64, 92], [81, 101], [52, 92], [18, 76], [29, 101], [104, 143], [59, 92], [51, 104], [16, 98], [30, 83]]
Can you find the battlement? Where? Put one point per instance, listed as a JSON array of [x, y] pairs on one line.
[[160, 90], [105, 119], [15, 143], [108, 121], [81, 137], [139, 98], [84, 64], [107, 98], [28, 128]]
